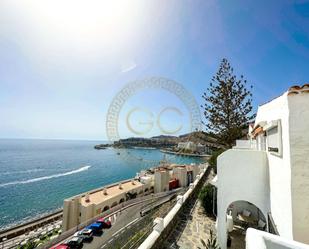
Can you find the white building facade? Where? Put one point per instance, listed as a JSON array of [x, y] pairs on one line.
[[271, 169]]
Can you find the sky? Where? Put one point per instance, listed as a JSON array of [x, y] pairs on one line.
[[63, 62]]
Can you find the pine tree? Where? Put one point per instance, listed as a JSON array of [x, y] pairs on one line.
[[228, 105]]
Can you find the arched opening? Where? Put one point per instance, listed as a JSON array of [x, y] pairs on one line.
[[121, 200], [146, 190], [130, 195], [240, 215], [105, 208], [114, 204]]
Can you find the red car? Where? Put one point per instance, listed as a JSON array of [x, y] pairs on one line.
[[61, 246], [105, 222]]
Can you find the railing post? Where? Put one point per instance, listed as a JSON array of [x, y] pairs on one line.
[[158, 225], [179, 199]]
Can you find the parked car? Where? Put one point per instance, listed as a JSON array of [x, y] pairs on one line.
[[85, 234], [61, 246], [105, 222], [96, 228], [75, 243]]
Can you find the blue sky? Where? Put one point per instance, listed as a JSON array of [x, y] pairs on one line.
[[62, 62]]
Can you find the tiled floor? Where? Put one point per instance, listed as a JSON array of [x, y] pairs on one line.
[[238, 238]]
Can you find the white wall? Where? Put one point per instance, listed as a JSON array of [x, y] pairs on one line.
[[256, 239], [279, 167], [299, 141], [242, 175], [180, 173]]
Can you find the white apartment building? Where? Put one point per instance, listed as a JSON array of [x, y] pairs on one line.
[[194, 147], [264, 181]]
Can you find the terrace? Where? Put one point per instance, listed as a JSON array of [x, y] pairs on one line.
[[110, 192]]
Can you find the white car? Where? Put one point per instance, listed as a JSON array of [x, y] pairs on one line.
[[85, 234]]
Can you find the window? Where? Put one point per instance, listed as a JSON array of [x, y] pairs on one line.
[[274, 138]]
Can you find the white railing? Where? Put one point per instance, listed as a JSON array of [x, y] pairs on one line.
[[256, 239], [161, 223], [245, 144]]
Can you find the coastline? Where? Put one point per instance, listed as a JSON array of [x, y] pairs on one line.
[[184, 154], [50, 158], [41, 219]]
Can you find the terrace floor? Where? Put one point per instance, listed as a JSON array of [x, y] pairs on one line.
[[238, 238]]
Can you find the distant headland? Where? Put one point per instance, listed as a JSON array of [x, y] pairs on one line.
[[194, 143]]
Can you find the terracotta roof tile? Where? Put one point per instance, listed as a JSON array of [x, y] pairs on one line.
[[298, 89]]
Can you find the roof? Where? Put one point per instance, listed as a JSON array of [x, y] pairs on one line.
[[298, 89], [112, 191]]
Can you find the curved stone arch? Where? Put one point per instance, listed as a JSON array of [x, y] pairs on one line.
[[228, 201], [146, 190], [121, 200], [228, 204], [105, 208], [134, 194], [115, 203], [264, 216]]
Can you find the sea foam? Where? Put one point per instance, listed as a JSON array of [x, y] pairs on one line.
[[46, 177]]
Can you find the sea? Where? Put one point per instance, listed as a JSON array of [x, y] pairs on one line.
[[37, 175]]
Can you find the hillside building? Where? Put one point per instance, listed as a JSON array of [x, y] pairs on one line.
[[263, 182]]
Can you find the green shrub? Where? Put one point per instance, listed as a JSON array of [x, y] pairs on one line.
[[213, 159], [208, 200]]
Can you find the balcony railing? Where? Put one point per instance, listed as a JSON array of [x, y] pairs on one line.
[[245, 144]]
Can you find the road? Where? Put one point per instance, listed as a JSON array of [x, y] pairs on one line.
[[124, 221]]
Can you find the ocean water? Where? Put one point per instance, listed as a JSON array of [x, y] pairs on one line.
[[37, 175]]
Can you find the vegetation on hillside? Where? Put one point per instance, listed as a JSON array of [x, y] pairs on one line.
[[213, 159], [208, 200]]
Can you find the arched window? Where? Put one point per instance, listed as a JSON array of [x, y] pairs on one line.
[[114, 204], [121, 200], [105, 208]]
